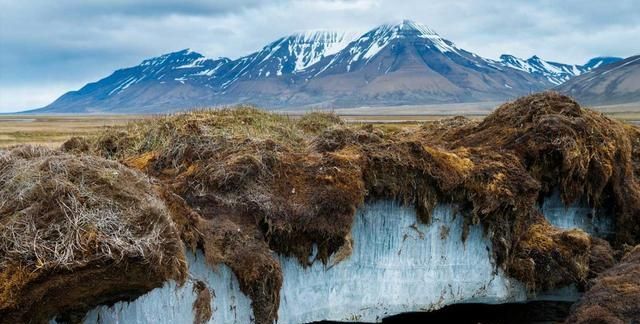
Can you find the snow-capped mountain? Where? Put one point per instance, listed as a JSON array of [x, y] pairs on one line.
[[285, 56], [366, 47], [556, 73], [173, 67], [407, 63], [392, 64], [597, 62]]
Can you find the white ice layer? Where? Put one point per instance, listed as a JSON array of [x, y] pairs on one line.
[[577, 215], [397, 265], [171, 304]]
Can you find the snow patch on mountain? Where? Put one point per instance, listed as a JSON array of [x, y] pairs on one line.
[[556, 73], [310, 47], [374, 41]]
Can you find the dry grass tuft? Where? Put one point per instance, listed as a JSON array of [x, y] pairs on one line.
[[63, 215], [317, 121]]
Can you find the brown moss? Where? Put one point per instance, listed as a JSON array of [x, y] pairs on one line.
[[67, 220], [140, 162], [76, 145], [551, 258], [614, 296]]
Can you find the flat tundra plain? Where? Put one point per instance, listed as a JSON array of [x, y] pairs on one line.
[[53, 130]]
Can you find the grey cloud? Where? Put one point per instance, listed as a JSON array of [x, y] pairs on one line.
[[48, 43]]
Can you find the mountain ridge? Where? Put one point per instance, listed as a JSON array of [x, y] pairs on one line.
[[611, 84], [391, 64]]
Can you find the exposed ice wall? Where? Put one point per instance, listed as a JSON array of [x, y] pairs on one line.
[[171, 304], [577, 215], [397, 265]]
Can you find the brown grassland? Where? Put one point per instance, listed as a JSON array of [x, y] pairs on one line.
[[53, 130]]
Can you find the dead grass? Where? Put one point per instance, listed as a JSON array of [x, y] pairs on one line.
[[63, 216], [51, 131]]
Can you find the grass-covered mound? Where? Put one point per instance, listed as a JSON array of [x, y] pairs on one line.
[[76, 232], [614, 296], [246, 182], [561, 145]]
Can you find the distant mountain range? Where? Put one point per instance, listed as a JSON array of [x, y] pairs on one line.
[[393, 64], [556, 73], [617, 83]]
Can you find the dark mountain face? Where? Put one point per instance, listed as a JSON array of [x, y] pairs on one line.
[[596, 62], [616, 83], [393, 64], [155, 82]]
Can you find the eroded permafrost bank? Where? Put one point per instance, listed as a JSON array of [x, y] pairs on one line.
[[248, 187], [397, 265], [175, 304]]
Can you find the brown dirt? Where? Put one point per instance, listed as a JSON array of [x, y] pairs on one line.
[[614, 296], [66, 221], [202, 304]]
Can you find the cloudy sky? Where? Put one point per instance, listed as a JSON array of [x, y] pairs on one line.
[[49, 47]]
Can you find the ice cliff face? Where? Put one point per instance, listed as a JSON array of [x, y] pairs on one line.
[[578, 215], [397, 265], [172, 304]]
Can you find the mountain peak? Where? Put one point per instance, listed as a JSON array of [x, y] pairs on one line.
[[369, 44], [320, 34], [410, 25], [407, 28], [183, 56]]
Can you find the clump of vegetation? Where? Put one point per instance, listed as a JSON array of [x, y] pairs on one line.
[[78, 231], [561, 145], [317, 121], [75, 144], [614, 296], [202, 305], [242, 182]]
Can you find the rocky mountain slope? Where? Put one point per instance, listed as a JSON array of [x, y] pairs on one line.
[[617, 83], [556, 73], [393, 64]]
